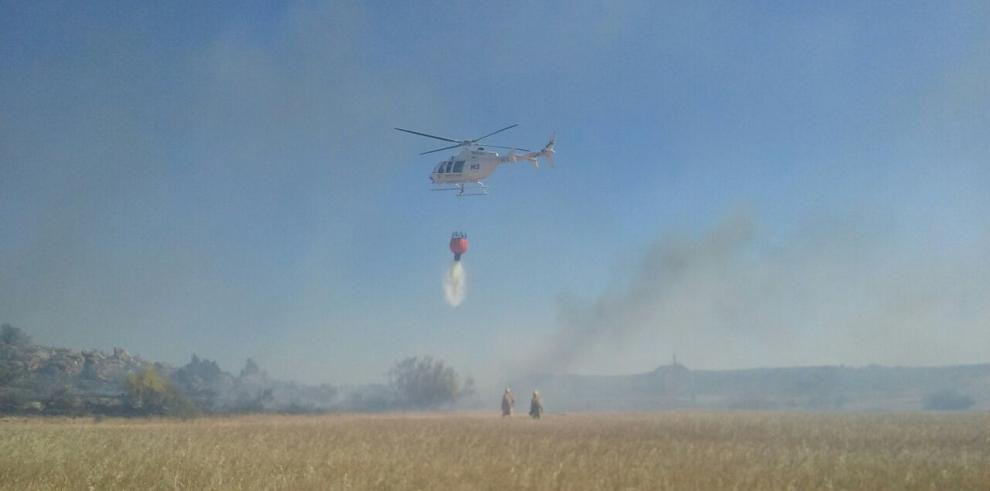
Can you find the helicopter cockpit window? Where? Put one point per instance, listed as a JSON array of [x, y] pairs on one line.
[[439, 169], [449, 163], [459, 166]]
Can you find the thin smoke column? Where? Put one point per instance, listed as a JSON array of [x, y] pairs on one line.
[[455, 281]]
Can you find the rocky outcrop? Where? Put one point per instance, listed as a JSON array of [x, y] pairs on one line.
[[42, 379], [38, 379]]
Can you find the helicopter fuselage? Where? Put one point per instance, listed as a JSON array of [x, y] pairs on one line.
[[471, 165]]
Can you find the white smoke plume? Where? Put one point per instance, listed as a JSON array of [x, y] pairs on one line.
[[455, 284]]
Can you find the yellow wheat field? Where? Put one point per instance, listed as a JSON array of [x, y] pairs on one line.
[[702, 451]]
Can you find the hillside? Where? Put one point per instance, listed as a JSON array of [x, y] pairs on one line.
[[809, 388], [36, 379]]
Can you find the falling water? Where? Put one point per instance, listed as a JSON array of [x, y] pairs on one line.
[[455, 284]]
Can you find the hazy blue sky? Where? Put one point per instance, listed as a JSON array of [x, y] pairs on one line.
[[740, 183]]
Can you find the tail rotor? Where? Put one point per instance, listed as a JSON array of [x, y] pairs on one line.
[[548, 151]]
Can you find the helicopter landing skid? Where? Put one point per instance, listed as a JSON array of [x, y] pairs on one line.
[[480, 190]]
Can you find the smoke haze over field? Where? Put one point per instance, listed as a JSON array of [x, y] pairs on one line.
[[833, 294]]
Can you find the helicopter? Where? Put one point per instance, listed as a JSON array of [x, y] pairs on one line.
[[475, 162]]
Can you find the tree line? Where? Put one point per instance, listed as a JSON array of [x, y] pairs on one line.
[[57, 381]]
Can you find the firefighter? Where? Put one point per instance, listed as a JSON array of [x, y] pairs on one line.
[[507, 402], [536, 406]]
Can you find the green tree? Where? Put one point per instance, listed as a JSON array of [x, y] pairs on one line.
[[200, 380], [147, 392], [63, 401], [252, 370], [8, 374], [423, 382], [14, 336]]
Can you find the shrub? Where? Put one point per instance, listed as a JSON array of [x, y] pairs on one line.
[[425, 382], [947, 400], [147, 392], [14, 336], [64, 401]]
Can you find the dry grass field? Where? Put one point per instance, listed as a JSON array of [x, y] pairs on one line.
[[703, 451]]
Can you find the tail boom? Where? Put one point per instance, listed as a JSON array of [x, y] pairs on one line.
[[546, 153]]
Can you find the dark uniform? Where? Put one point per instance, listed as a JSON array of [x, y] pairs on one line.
[[536, 406]]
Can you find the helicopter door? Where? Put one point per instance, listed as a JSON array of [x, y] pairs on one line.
[[458, 166]]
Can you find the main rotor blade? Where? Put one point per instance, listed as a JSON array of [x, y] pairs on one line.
[[508, 148], [444, 148], [429, 136], [492, 133]]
